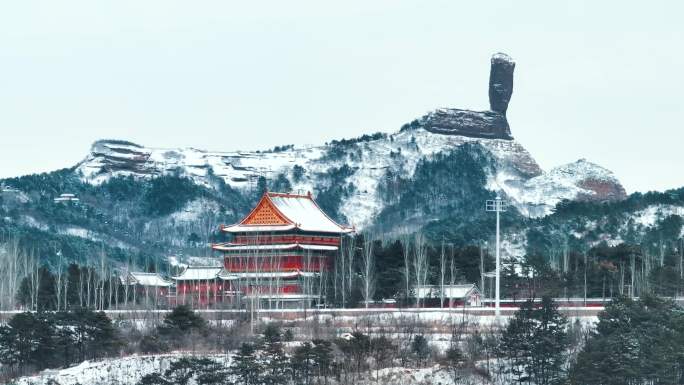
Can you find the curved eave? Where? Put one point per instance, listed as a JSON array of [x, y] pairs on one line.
[[282, 275], [281, 297], [195, 279], [238, 228], [279, 247], [344, 229]]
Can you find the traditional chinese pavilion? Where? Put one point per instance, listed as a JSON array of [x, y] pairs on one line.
[[198, 286], [281, 252], [147, 288]]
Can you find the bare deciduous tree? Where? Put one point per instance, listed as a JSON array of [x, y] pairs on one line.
[[351, 252], [368, 273], [420, 263], [406, 251], [58, 281], [442, 272]]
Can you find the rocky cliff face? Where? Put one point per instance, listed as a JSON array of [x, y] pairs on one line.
[[474, 124], [490, 124], [117, 155]]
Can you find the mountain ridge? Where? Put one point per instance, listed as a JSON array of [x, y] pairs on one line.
[[519, 177], [352, 171]]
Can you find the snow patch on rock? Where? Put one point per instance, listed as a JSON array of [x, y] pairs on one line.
[[30, 221], [193, 210], [655, 213]]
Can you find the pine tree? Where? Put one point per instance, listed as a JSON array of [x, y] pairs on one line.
[[181, 324], [635, 342], [246, 368], [420, 347], [181, 371], [549, 343], [276, 363], [355, 351], [104, 336], [28, 339], [44, 298], [455, 361], [516, 341], [303, 361], [323, 357], [535, 343], [154, 379]]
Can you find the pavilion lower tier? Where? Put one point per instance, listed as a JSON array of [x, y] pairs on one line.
[[276, 294], [301, 238], [272, 287], [276, 263], [301, 284]]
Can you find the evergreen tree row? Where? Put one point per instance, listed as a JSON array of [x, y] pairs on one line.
[[35, 341]]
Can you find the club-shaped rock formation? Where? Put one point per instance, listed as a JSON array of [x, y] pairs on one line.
[[480, 124]]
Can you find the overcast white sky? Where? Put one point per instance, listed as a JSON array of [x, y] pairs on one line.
[[601, 80]]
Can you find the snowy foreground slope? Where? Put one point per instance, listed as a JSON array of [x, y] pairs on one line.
[[129, 370], [434, 324], [517, 175], [121, 371]]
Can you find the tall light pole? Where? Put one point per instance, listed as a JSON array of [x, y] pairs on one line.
[[497, 205]]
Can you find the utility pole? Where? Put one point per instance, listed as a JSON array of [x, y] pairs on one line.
[[497, 205], [482, 266]]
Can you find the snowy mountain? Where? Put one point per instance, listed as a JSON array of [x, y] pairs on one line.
[[580, 180], [348, 174], [515, 173]]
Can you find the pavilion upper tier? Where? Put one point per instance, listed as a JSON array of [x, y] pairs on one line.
[[287, 213]]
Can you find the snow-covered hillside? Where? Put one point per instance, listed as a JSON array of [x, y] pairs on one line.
[[517, 175], [123, 371], [580, 180], [129, 370]]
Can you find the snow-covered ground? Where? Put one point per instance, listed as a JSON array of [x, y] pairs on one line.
[[129, 370], [30, 221], [186, 261], [194, 210], [435, 324], [654, 213], [435, 320], [74, 231], [631, 222], [120, 371]]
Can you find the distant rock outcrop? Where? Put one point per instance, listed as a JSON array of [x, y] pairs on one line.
[[110, 156], [490, 124], [578, 181]]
